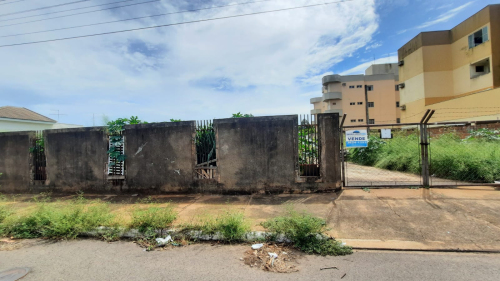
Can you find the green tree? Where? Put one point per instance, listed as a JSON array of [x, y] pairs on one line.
[[239, 115]]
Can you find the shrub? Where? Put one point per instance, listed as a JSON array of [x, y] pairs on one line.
[[306, 232], [153, 219], [59, 221]]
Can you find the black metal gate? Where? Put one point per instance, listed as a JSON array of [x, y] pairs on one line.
[[309, 146], [38, 159], [206, 157]]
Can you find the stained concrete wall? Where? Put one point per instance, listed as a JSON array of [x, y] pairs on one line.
[[76, 159], [15, 161], [160, 157], [256, 154], [330, 169]]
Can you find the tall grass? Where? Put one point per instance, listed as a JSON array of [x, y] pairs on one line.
[[231, 226], [470, 160], [153, 219]]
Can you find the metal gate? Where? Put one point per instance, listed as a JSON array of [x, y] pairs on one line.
[[38, 159], [309, 146], [206, 157], [424, 154]]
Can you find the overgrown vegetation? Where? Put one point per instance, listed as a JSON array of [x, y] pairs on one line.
[[306, 232], [153, 219], [308, 148], [231, 226], [58, 220], [240, 115], [115, 129], [473, 159], [175, 120]]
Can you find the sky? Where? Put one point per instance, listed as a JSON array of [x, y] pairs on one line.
[[263, 64]]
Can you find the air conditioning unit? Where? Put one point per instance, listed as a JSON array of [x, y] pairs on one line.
[[403, 107], [401, 63], [402, 85]]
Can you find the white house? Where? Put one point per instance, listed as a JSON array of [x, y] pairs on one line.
[[22, 119]]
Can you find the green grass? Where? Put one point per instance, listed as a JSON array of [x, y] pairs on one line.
[[153, 219], [470, 160], [65, 221], [306, 232], [232, 226]]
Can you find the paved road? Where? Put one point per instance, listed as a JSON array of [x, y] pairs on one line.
[[95, 260]]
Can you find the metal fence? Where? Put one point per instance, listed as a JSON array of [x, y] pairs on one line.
[[424, 154], [38, 159], [206, 157], [309, 146]]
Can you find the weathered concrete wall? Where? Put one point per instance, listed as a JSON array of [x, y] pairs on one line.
[[76, 159], [330, 169], [15, 161], [256, 154], [160, 156]]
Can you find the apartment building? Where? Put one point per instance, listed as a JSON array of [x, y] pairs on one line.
[[346, 94], [455, 72]]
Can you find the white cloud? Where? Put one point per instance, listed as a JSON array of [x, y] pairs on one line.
[[360, 69], [373, 46], [445, 16], [261, 64]]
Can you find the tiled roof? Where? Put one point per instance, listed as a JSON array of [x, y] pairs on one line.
[[22, 113]]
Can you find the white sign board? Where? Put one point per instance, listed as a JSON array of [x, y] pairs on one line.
[[386, 134], [356, 138]]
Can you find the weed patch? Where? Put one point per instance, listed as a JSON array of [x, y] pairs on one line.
[[231, 226], [306, 232], [152, 219]]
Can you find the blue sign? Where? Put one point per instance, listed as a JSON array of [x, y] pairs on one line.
[[356, 138]]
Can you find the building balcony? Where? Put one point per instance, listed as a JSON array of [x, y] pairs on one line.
[[335, 78], [316, 100], [332, 96], [316, 111]]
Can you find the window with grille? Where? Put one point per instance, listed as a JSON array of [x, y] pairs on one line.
[[116, 167], [478, 37], [369, 87], [352, 103], [371, 104], [353, 120], [360, 120], [398, 120], [359, 86], [397, 104], [360, 103], [371, 121], [351, 87]]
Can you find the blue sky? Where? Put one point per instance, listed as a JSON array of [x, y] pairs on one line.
[[267, 64]]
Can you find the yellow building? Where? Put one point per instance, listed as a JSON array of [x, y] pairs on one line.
[[455, 72], [346, 94]]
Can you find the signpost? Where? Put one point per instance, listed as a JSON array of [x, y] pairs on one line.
[[356, 138]]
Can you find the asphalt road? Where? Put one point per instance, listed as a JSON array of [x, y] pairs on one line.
[[95, 260]]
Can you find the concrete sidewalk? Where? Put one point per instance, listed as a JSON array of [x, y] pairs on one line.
[[465, 219]]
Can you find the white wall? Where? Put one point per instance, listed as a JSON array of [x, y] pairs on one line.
[[14, 125]]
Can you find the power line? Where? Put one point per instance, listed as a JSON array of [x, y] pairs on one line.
[[11, 2], [43, 8], [174, 24], [74, 9], [107, 22]]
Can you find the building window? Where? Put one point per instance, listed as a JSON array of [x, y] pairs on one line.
[[360, 103], [352, 103], [325, 89], [353, 120], [359, 86], [397, 104], [478, 37], [398, 120], [371, 104], [334, 103], [371, 121], [360, 120], [351, 87], [369, 87], [397, 88], [480, 68]]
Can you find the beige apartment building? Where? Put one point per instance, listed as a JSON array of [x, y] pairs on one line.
[[346, 95], [455, 72]]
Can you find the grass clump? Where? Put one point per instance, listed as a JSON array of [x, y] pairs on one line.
[[153, 219], [306, 232], [231, 226], [58, 220]]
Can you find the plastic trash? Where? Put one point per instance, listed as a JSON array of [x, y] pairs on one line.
[[273, 255], [257, 246], [164, 241]]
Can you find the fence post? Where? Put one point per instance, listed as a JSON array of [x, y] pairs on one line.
[[424, 147], [329, 143]]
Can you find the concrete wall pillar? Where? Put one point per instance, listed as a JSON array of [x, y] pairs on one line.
[[330, 168]]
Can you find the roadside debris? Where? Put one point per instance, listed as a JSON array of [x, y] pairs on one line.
[[333, 267], [164, 241], [272, 257], [257, 246], [343, 276]]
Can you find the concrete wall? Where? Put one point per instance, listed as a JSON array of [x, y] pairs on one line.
[[160, 157], [76, 159], [15, 161], [256, 154]]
